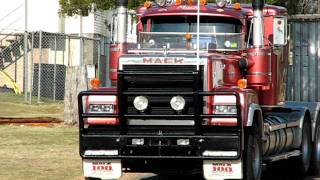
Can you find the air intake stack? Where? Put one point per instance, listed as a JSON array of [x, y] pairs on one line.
[[119, 47], [122, 8], [258, 28]]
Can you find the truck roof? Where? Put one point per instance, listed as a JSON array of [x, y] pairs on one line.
[[210, 10]]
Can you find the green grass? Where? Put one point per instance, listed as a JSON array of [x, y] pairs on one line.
[[39, 153], [13, 105]]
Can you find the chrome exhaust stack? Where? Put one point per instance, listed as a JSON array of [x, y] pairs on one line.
[[122, 9], [258, 26]]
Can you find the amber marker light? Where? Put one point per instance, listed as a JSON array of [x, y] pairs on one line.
[[188, 36], [147, 4], [178, 2], [95, 83], [190, 2], [203, 2], [242, 83], [237, 6]]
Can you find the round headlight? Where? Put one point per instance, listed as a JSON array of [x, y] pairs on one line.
[[140, 103], [161, 2], [177, 103], [221, 3]]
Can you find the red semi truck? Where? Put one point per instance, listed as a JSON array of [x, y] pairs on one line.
[[201, 91]]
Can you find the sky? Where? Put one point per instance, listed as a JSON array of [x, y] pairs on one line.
[[42, 14]]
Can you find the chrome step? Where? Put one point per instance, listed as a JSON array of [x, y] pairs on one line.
[[282, 156]]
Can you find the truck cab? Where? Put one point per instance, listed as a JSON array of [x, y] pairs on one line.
[[201, 91]]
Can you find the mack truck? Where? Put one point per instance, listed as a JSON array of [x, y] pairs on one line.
[[201, 91]]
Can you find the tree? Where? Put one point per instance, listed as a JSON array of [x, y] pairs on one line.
[[83, 7]]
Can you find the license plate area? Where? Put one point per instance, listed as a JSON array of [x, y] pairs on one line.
[[222, 169], [103, 169]]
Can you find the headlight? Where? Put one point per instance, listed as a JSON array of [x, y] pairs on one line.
[[140, 103], [223, 109], [177, 103], [101, 108]]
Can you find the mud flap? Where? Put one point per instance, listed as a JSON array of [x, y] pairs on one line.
[[102, 168], [222, 169]]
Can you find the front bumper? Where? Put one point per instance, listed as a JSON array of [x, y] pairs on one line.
[[164, 147], [160, 145]]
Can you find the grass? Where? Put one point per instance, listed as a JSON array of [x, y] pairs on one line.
[[39, 153], [13, 105]]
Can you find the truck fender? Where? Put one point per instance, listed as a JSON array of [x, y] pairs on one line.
[[255, 114], [253, 108]]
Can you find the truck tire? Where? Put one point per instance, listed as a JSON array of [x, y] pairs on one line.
[[252, 160], [300, 165], [315, 158]]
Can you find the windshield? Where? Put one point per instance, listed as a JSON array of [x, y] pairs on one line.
[[180, 32], [189, 24]]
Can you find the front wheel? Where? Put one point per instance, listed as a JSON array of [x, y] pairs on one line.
[[252, 167]]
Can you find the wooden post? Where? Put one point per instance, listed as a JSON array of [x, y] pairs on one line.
[[76, 81]]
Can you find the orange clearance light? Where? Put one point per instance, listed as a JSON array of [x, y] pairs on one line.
[[188, 36], [147, 4], [95, 83], [237, 6], [242, 83], [203, 2], [190, 2], [178, 2]]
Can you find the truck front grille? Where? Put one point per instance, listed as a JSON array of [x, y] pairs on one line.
[[170, 79]]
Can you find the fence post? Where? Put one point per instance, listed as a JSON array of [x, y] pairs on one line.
[[81, 51], [69, 63], [55, 69], [26, 66], [99, 60], [31, 68], [39, 68]]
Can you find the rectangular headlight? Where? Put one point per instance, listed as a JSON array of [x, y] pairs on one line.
[[101, 108], [225, 109]]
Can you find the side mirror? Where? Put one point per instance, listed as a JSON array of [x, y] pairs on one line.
[[280, 37]]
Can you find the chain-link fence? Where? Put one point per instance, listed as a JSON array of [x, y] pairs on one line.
[[37, 79]]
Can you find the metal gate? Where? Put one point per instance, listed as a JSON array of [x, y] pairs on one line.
[[303, 82]]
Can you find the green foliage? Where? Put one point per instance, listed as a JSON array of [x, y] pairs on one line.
[[82, 7], [132, 4], [267, 1]]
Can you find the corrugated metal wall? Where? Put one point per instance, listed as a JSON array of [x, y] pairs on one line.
[[303, 83]]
